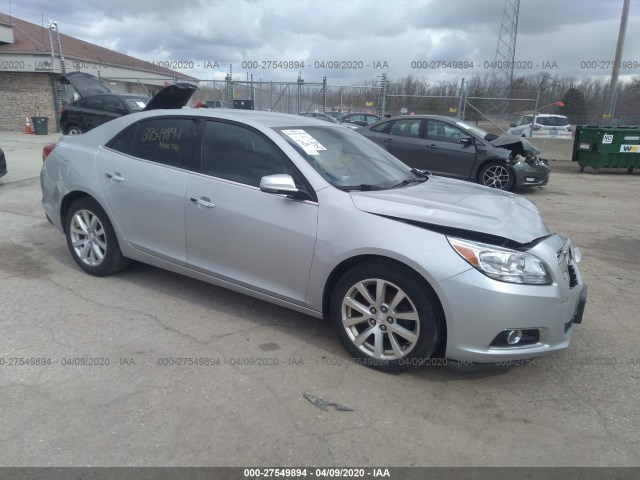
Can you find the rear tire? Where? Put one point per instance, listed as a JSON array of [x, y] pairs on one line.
[[386, 316], [73, 129], [91, 239]]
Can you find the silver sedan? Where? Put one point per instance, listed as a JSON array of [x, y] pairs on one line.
[[317, 218]]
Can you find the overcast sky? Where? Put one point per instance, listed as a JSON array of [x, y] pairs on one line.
[[551, 33]]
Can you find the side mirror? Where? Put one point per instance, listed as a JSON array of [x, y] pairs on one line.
[[122, 111], [282, 184], [512, 124], [466, 141]]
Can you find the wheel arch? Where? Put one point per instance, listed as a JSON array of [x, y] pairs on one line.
[[68, 200], [351, 262]]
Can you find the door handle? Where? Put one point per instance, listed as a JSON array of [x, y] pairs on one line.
[[115, 176], [388, 140], [203, 202]]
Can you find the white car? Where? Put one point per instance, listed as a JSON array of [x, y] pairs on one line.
[[546, 125]]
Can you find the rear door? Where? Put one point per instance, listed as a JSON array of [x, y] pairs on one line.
[[444, 154], [143, 175], [402, 139]]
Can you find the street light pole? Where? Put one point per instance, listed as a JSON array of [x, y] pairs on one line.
[[613, 86], [535, 112]]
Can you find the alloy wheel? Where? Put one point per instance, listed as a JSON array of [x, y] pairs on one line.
[[380, 319], [496, 176], [88, 238]]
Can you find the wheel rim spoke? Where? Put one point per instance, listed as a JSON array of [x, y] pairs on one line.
[[403, 332], [360, 339], [357, 306]]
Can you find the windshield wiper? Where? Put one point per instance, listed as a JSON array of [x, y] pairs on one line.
[[409, 181], [363, 187]]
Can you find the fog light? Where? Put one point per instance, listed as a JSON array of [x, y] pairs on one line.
[[530, 179], [514, 337]]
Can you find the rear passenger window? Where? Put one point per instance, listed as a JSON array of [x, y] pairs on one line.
[[168, 141]]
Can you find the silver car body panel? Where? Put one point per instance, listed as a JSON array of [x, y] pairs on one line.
[[284, 251], [446, 202]]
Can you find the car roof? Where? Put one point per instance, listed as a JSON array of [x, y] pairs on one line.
[[267, 119]]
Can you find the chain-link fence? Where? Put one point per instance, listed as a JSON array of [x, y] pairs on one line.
[[583, 101]]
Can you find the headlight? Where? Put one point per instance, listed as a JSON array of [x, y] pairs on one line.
[[502, 264]]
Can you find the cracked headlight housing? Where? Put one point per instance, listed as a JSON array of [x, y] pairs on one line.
[[501, 263]]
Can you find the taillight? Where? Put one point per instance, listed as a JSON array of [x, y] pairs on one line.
[[62, 110], [536, 127], [47, 149], [569, 128]]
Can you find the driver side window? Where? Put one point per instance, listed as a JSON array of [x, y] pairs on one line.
[[238, 154]]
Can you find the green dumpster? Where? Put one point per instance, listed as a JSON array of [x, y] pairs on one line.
[[606, 147], [40, 125]]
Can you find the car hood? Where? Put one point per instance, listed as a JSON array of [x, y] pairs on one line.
[[517, 145], [172, 96], [458, 205]]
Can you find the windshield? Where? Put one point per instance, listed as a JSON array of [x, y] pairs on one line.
[[348, 160], [473, 129], [136, 104]]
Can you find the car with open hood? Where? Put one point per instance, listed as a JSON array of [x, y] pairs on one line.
[[452, 148], [316, 218], [97, 104]]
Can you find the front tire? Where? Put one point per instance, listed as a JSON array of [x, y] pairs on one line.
[[386, 316], [497, 175], [92, 240]]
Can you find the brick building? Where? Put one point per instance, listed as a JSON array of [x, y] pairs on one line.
[[30, 64]]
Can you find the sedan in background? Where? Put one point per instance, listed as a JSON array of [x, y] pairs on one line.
[[452, 148], [316, 218], [546, 125], [357, 120]]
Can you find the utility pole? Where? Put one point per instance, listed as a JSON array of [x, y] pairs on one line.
[[613, 86]]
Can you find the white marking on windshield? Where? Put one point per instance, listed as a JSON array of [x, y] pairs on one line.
[[309, 144]]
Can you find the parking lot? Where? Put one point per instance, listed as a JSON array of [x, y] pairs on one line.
[[109, 391]]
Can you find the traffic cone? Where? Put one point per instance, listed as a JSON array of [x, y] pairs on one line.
[[27, 126]]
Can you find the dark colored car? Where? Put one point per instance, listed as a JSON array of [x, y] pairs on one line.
[[98, 104], [357, 120], [452, 148], [3, 164]]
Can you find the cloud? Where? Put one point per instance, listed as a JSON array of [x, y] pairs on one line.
[[233, 32]]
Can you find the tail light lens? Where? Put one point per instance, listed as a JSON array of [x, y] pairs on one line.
[[62, 110], [569, 128], [46, 150], [536, 127]]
